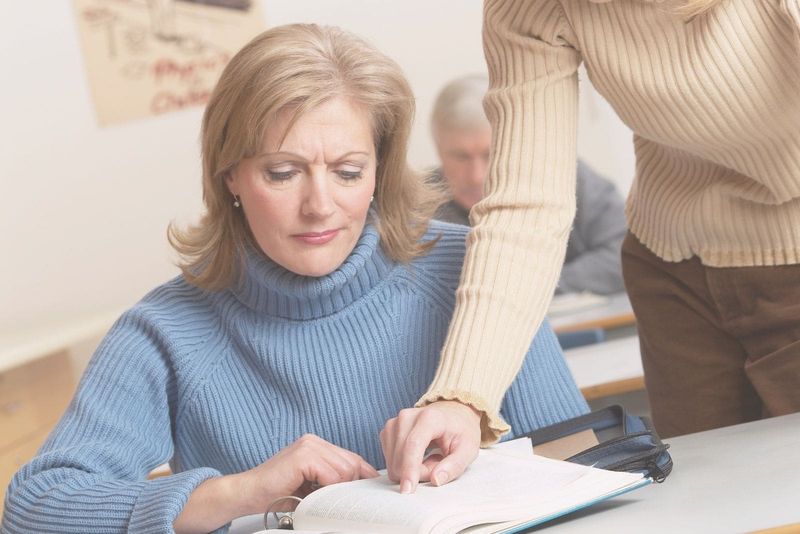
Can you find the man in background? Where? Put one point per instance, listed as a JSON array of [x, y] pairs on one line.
[[463, 139]]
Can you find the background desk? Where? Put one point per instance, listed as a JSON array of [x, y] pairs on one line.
[[607, 368], [615, 313], [735, 479]]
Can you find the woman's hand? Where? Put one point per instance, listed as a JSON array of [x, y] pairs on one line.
[[296, 470], [452, 427]]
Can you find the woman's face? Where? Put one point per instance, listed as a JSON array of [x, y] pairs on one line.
[[306, 199]]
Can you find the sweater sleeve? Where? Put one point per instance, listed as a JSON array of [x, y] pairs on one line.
[[90, 475], [520, 230]]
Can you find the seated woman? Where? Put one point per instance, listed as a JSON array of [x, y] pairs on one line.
[[313, 304]]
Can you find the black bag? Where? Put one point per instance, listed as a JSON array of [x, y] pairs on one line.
[[627, 442]]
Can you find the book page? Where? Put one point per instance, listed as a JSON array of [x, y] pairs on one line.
[[595, 486], [497, 487], [378, 501], [361, 509], [522, 447]]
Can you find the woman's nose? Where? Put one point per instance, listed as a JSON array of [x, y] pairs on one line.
[[317, 199]]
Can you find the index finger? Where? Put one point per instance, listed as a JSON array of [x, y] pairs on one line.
[[413, 454]]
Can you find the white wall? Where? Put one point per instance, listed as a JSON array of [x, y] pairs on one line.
[[84, 210]]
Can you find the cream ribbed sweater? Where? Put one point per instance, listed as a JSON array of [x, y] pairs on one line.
[[714, 104]]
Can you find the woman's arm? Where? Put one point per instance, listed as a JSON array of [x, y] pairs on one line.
[[519, 235], [309, 460], [91, 472], [520, 230]]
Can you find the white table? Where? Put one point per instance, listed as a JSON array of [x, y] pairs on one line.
[[735, 479]]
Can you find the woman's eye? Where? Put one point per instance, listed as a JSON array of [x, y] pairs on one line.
[[281, 176], [350, 175]]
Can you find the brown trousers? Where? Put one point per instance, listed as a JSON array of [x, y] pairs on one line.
[[720, 346]]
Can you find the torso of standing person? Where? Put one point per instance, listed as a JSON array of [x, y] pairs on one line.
[[715, 109]]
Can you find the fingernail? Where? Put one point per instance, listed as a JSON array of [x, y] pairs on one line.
[[440, 478], [406, 486]]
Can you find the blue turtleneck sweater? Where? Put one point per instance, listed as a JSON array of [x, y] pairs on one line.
[[218, 382]]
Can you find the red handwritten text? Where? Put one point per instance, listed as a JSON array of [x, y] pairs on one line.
[[169, 69], [165, 101]]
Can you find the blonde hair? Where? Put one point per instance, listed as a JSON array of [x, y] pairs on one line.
[[459, 105], [693, 8], [299, 67]]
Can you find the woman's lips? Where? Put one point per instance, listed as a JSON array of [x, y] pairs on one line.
[[317, 238]]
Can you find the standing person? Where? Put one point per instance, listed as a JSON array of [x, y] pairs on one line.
[[709, 88], [463, 138], [313, 305]]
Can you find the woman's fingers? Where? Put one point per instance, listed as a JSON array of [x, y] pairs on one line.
[[403, 425], [367, 471], [431, 461], [427, 429], [327, 464], [300, 468], [453, 426], [460, 454]]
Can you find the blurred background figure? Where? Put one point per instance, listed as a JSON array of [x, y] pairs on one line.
[[463, 138]]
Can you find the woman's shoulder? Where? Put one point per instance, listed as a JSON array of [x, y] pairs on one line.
[[449, 238], [173, 294], [175, 319], [176, 304], [448, 234], [446, 256]]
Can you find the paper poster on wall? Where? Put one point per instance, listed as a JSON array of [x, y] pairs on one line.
[[150, 57]]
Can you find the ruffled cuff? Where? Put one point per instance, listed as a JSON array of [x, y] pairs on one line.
[[493, 427]]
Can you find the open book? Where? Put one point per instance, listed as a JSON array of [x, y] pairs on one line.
[[501, 492]]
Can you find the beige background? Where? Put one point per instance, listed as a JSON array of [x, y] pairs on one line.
[[84, 209]]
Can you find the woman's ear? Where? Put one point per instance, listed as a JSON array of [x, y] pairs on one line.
[[233, 187], [230, 181]]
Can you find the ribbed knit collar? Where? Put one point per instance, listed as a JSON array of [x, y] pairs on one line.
[[269, 288]]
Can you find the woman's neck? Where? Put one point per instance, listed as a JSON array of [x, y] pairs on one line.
[[269, 288]]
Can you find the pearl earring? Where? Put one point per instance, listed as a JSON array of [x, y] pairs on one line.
[[236, 203], [372, 198]]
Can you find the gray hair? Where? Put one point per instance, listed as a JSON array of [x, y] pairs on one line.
[[459, 105]]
